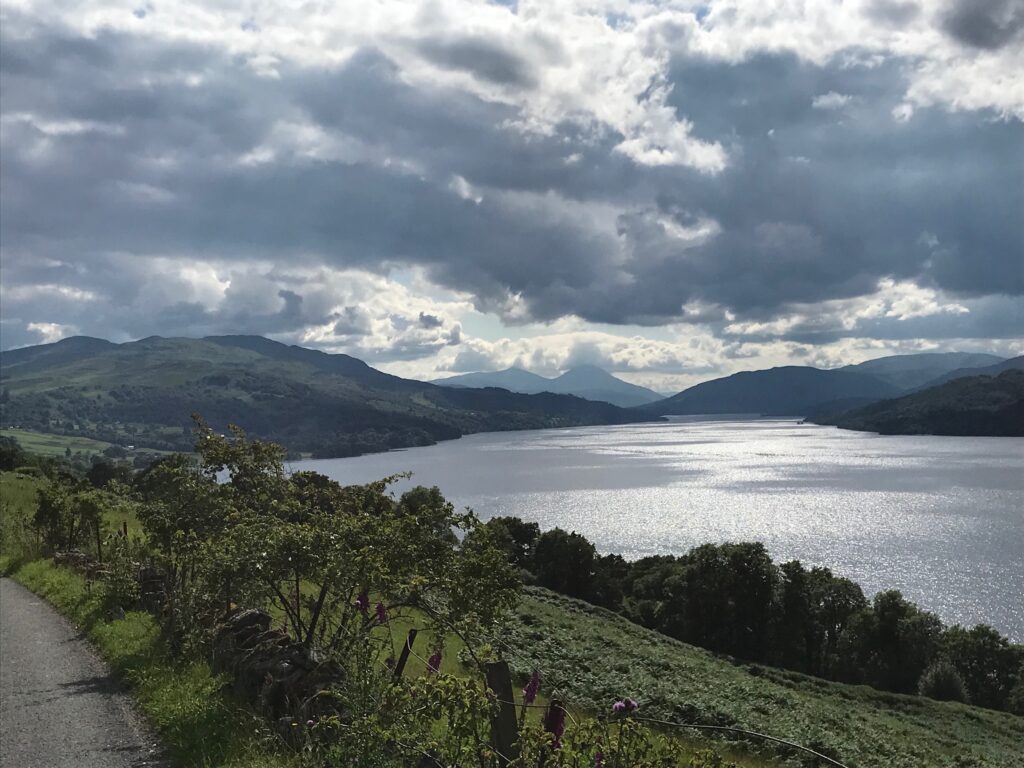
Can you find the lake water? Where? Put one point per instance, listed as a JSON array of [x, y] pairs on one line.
[[940, 518]]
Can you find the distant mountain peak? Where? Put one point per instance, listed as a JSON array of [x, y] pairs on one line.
[[587, 381]]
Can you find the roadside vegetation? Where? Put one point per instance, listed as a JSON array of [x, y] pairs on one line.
[[261, 619]]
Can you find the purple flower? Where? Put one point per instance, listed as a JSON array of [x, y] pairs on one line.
[[434, 662], [530, 691], [631, 705], [309, 723], [599, 759], [554, 722], [382, 614], [362, 603], [619, 707]]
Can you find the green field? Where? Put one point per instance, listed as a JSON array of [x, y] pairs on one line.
[[43, 444]]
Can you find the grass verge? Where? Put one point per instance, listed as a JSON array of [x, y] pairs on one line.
[[198, 724]]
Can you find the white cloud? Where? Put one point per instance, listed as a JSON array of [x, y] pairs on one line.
[[831, 100], [51, 332]]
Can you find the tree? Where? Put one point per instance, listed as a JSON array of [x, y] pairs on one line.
[[942, 681], [516, 538], [834, 602], [794, 634], [54, 517], [11, 454], [235, 528], [102, 473], [890, 645], [986, 661], [565, 563], [729, 591]]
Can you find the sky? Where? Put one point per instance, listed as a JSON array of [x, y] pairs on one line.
[[671, 190]]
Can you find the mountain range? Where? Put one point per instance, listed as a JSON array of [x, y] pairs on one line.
[[785, 391], [912, 371], [587, 381], [144, 392], [812, 392]]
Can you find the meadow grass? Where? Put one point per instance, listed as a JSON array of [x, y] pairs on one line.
[[593, 657]]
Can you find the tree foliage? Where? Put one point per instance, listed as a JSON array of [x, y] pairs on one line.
[[731, 598]]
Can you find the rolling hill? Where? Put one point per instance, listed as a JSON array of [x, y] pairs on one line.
[[912, 371], [143, 392], [972, 405], [1014, 363], [587, 381], [785, 391]]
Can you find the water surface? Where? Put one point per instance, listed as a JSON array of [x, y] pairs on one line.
[[940, 518]]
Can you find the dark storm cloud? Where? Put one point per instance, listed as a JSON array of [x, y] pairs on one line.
[[813, 205], [430, 321], [987, 24], [480, 57]]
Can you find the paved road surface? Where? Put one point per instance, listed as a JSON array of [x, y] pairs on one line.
[[59, 707]]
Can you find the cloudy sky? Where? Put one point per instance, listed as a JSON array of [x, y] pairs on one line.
[[670, 189]]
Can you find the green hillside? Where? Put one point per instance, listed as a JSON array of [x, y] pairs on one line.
[[912, 371], [785, 391], [144, 393], [591, 656], [973, 405]]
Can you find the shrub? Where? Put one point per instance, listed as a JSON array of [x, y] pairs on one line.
[[1015, 701], [942, 681]]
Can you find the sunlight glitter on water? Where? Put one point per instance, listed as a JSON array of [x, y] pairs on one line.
[[940, 518]]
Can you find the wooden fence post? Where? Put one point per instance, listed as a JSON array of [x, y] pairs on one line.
[[504, 728], [404, 657]]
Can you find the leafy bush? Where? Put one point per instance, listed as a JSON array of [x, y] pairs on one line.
[[942, 681]]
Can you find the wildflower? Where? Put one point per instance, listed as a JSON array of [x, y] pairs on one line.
[[362, 603], [631, 705], [554, 722], [382, 614], [599, 759], [619, 707], [434, 662], [309, 723], [530, 691]]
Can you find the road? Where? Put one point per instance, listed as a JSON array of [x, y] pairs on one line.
[[59, 706]]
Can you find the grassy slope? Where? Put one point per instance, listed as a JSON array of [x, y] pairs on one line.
[[43, 444], [595, 657]]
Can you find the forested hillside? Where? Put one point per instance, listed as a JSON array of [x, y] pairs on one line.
[[974, 405], [144, 392]]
